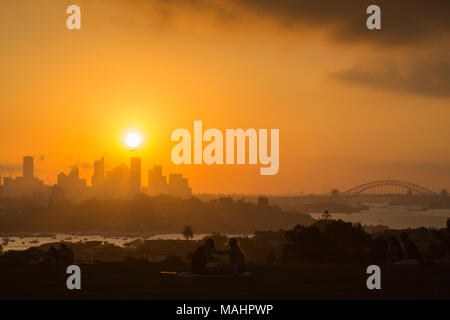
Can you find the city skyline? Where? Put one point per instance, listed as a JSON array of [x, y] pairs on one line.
[[121, 181], [351, 104], [157, 183]]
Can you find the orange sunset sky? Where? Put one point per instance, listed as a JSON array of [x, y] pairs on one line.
[[352, 105]]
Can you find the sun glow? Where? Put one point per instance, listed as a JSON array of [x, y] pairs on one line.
[[133, 140]]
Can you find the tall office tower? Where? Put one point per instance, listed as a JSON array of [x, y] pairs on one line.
[[28, 170], [135, 175], [157, 183], [99, 173]]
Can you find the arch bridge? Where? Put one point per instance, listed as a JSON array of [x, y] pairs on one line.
[[388, 185]]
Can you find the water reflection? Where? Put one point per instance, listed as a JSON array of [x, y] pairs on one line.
[[396, 217]]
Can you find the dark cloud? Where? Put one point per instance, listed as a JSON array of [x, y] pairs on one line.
[[223, 10], [428, 77], [403, 21]]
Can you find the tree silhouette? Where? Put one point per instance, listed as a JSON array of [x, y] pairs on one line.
[[326, 215], [188, 233]]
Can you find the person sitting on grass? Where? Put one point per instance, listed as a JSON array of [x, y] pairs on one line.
[[235, 255], [201, 257]]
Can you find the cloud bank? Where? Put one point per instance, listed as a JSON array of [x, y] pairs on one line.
[[404, 22], [430, 77]]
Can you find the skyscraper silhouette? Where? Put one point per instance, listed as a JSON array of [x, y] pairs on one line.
[[157, 183], [28, 168], [135, 175], [98, 178], [179, 186]]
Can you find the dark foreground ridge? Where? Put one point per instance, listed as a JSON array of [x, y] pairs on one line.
[[293, 281], [327, 260]]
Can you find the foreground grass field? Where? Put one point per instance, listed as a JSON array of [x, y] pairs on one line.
[[296, 281]]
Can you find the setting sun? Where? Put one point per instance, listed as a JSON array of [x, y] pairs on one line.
[[133, 140]]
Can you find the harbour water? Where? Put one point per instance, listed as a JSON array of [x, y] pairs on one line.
[[25, 242], [396, 217]]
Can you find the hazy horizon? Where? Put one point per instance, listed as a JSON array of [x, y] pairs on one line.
[[352, 106]]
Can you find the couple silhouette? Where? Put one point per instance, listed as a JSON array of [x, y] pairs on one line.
[[203, 261]]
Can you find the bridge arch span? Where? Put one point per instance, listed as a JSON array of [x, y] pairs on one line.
[[414, 188]]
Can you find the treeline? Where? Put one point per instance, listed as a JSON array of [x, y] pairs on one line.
[[336, 240], [146, 213]]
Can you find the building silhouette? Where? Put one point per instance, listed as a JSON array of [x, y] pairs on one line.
[[28, 168], [26, 185], [135, 175], [121, 182], [98, 179], [74, 188], [117, 183], [157, 184], [179, 186]]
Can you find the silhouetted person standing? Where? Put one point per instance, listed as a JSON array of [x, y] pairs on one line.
[[201, 256], [411, 249]]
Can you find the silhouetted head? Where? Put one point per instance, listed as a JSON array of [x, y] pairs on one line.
[[404, 236], [233, 243], [62, 245], [210, 244]]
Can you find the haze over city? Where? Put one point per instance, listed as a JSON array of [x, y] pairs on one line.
[[351, 106]]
